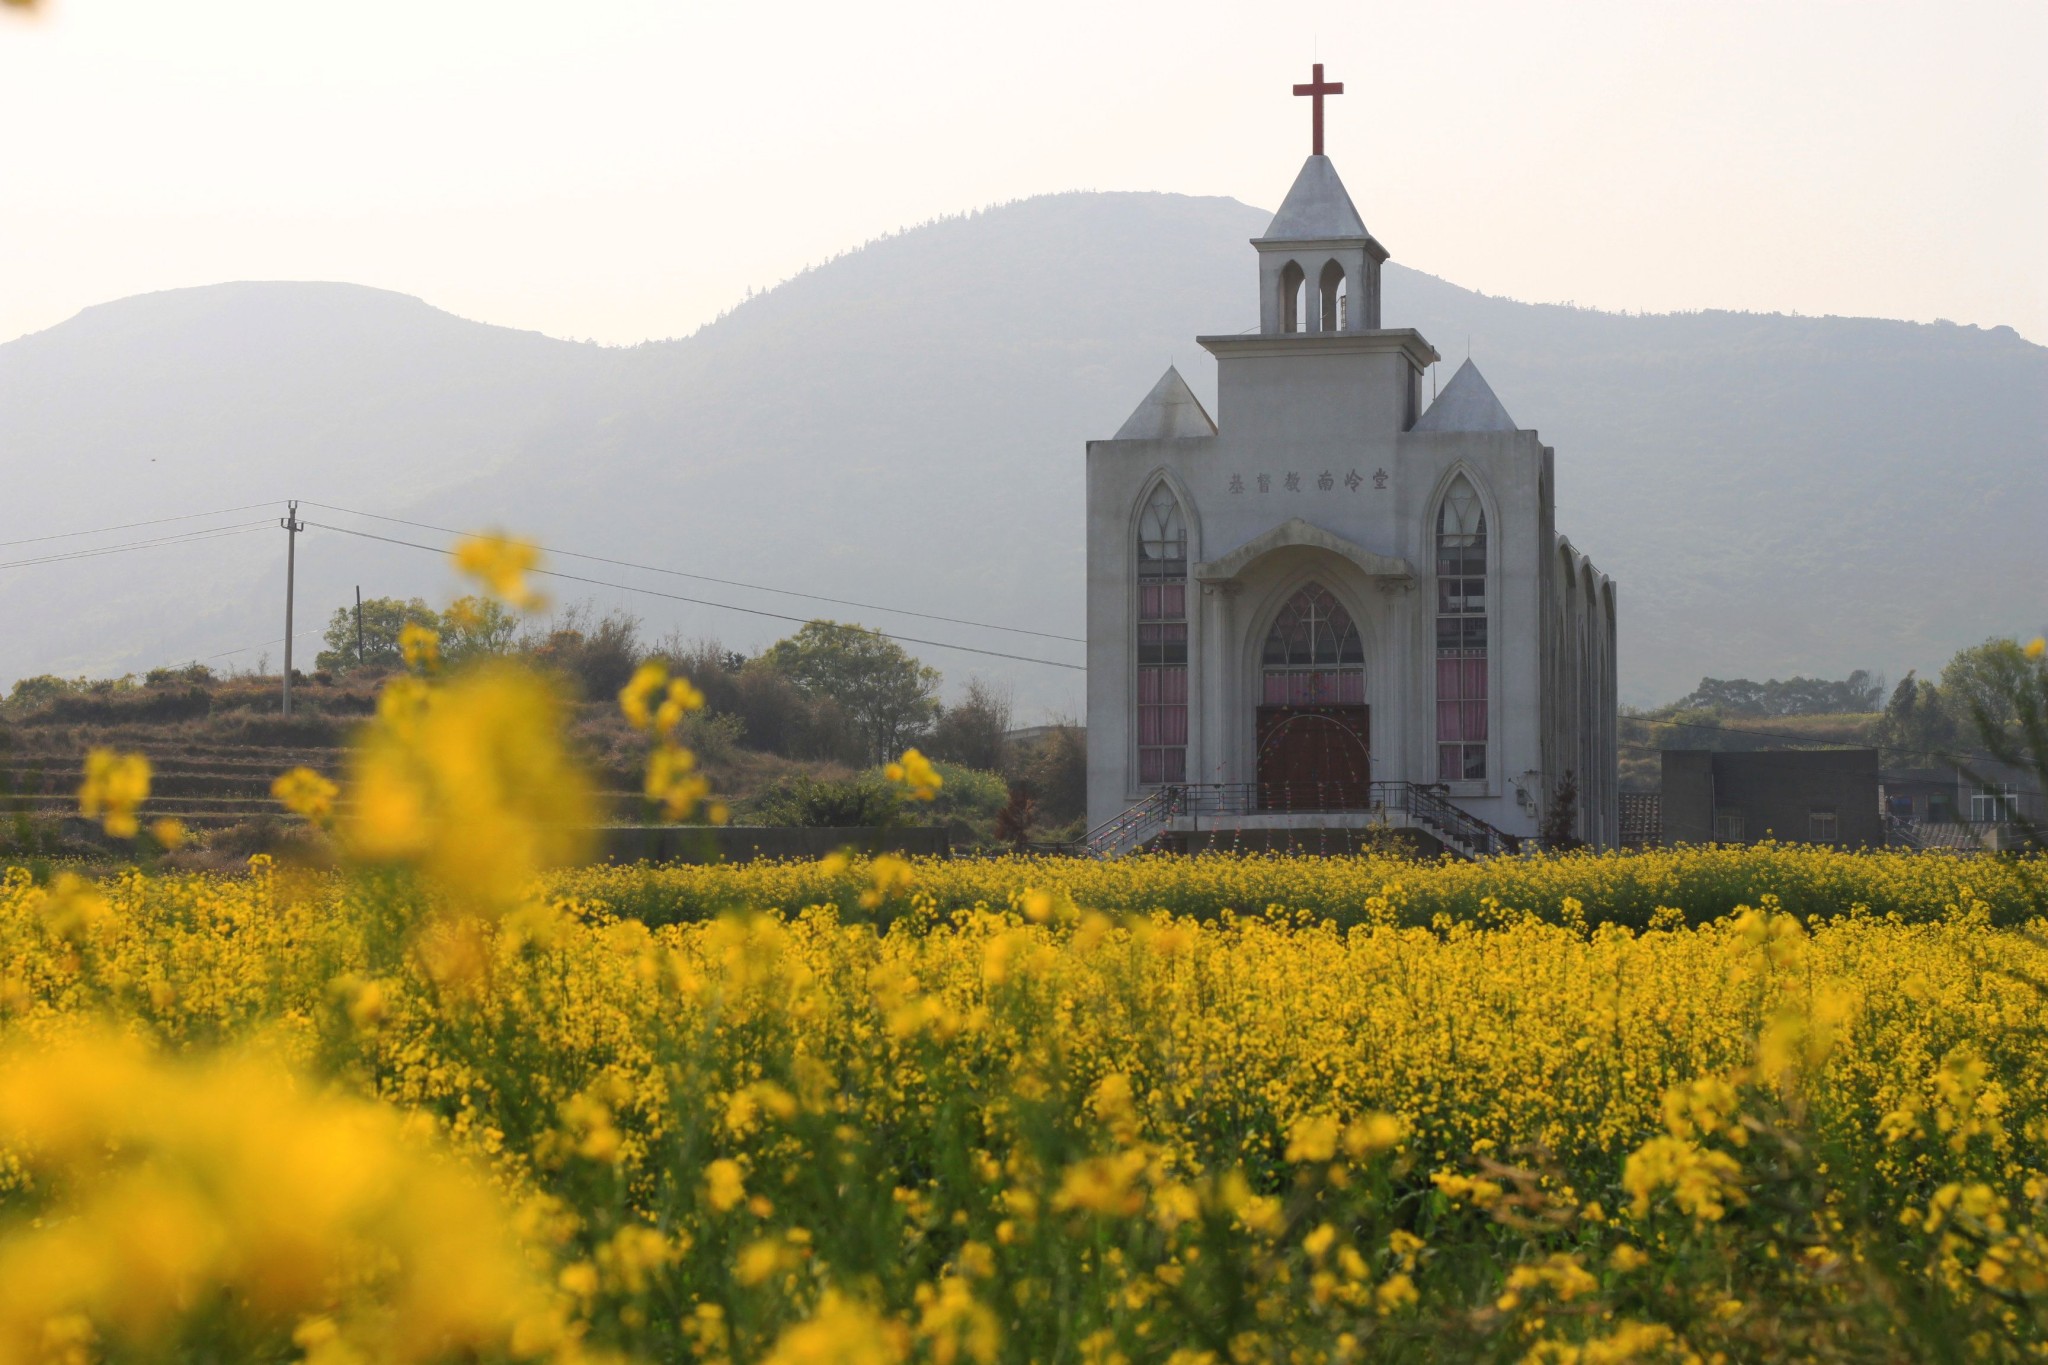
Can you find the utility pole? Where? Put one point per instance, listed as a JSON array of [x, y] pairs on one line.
[[359, 625], [292, 526]]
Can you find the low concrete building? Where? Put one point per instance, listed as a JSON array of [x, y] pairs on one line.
[[1978, 804], [1804, 796], [1335, 598]]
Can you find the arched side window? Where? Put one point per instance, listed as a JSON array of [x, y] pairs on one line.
[[1313, 656], [1336, 301], [1291, 297], [1461, 635], [1162, 639]]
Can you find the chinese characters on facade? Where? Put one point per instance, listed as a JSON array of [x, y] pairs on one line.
[[1325, 482]]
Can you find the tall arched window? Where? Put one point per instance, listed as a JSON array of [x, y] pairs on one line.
[[1162, 639], [1313, 655], [1461, 635]]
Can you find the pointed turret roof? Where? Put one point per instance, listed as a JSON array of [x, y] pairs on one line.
[[1318, 207], [1170, 410], [1466, 404]]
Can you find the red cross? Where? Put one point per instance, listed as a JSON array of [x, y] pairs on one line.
[[1318, 88]]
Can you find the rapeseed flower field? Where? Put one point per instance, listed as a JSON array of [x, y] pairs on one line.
[[454, 1096]]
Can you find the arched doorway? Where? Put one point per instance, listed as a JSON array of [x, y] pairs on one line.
[[1313, 731]]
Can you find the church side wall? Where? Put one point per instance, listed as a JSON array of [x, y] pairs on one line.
[[1119, 474], [1508, 470]]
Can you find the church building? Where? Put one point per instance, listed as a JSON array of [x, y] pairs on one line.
[[1332, 605]]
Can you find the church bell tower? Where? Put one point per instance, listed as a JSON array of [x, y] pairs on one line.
[[1318, 221]]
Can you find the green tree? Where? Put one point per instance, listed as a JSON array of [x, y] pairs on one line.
[[889, 698], [1985, 684], [383, 618], [1057, 770], [473, 627], [976, 731]]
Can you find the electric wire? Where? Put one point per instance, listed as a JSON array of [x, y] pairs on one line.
[[723, 606], [131, 525], [181, 538], [707, 578], [300, 635]]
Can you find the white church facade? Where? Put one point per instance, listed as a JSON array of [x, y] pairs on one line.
[[1331, 604]]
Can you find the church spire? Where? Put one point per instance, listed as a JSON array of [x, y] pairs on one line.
[[1319, 268]]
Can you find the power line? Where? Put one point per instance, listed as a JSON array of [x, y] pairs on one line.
[[181, 538], [131, 525], [725, 606], [317, 630], [724, 582]]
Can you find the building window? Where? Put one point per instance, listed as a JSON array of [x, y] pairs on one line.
[[1313, 655], [1162, 640], [1821, 827], [1994, 803], [1461, 635], [1730, 827]]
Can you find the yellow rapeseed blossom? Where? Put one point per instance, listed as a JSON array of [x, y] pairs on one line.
[[501, 564], [115, 787], [724, 1184], [305, 792], [1034, 1106], [915, 774], [181, 1191], [843, 1332], [651, 700], [420, 646], [473, 784], [673, 782]]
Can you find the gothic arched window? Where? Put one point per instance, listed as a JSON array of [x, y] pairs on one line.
[[1313, 656], [1162, 639], [1461, 635]]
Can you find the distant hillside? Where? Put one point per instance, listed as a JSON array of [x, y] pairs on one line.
[[905, 425]]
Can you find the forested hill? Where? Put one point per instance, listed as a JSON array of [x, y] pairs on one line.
[[905, 425]]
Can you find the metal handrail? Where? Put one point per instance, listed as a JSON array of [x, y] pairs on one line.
[[1429, 806]]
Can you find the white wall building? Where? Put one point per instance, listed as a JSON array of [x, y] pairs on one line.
[[1328, 592]]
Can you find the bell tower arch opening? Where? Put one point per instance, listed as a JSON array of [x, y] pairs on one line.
[[1336, 299], [1293, 297]]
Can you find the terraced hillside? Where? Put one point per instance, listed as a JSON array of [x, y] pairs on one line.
[[215, 747]]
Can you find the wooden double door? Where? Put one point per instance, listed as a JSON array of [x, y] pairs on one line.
[[1314, 758]]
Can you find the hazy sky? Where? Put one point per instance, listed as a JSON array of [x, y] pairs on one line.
[[621, 169]]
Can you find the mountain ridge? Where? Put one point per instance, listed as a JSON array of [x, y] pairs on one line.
[[905, 423]]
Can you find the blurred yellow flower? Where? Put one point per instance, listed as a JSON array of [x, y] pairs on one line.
[[474, 785], [673, 782], [228, 1189], [170, 833], [305, 792], [420, 646], [501, 564], [115, 787], [724, 1184], [916, 775]]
